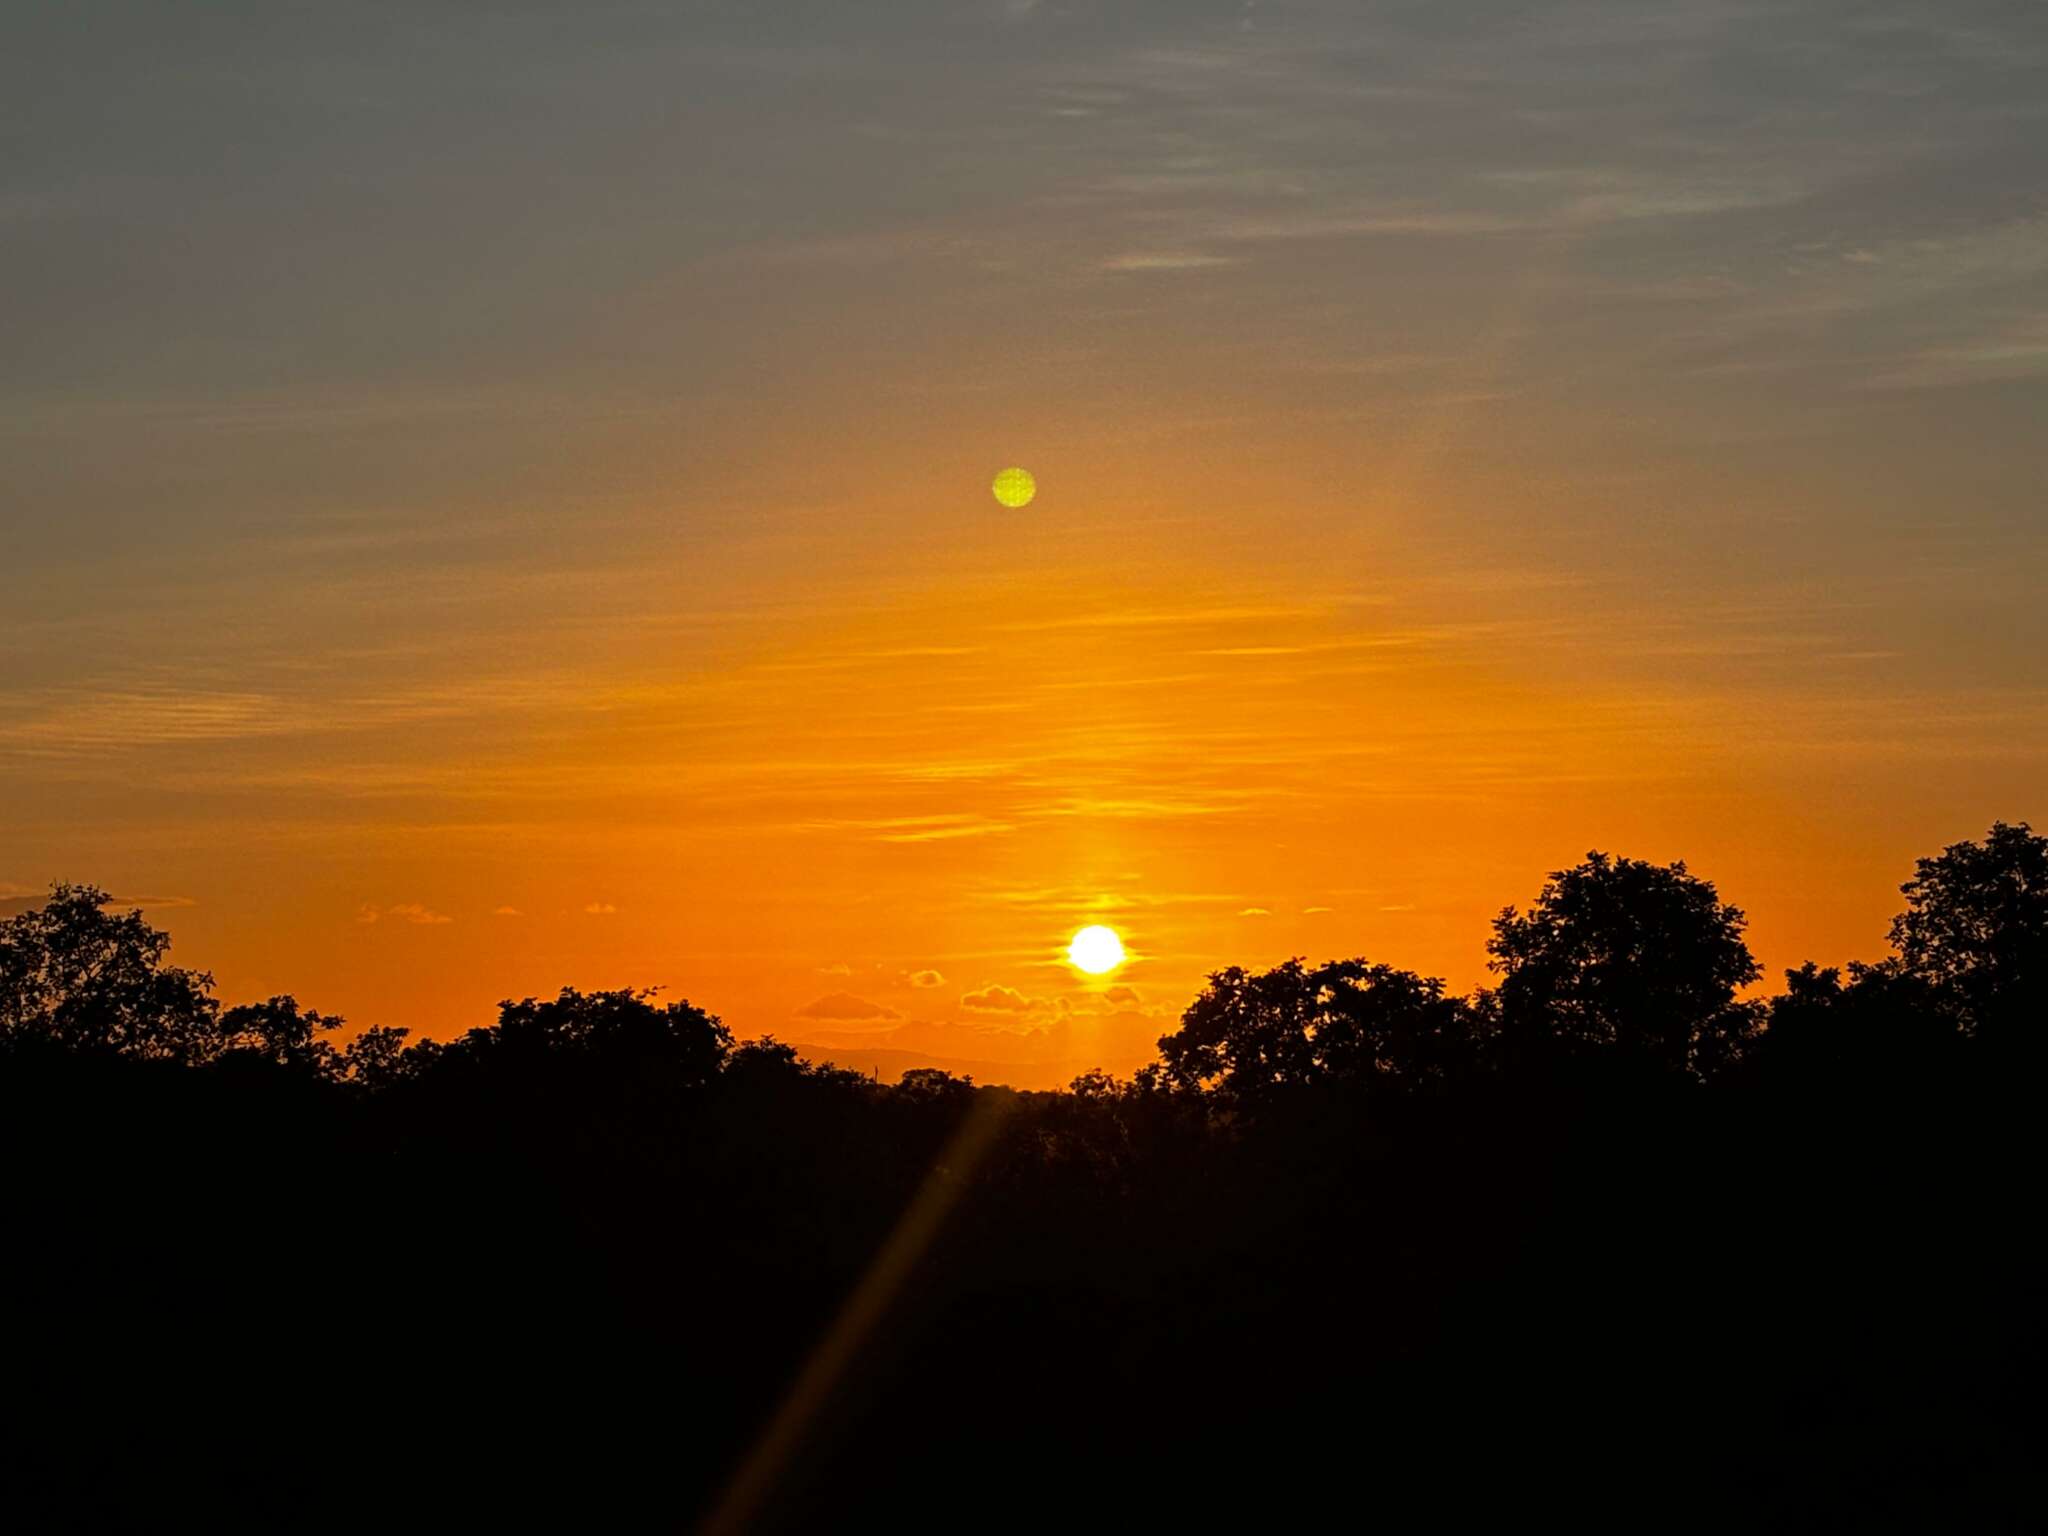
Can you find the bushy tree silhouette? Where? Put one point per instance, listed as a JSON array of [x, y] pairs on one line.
[[1976, 928], [280, 1032], [622, 1031], [1828, 1034], [76, 976], [376, 1058], [1250, 1036], [1633, 962]]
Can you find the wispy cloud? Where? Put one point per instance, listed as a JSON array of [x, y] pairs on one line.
[[110, 719], [1166, 261], [2015, 350], [938, 828]]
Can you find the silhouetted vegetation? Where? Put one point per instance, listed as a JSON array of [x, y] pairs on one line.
[[1611, 1242]]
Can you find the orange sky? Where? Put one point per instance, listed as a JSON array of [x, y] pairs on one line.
[[448, 561], [786, 787]]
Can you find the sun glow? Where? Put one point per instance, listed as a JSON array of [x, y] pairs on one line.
[[1096, 949]]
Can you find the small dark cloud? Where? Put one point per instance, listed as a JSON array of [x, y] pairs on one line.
[[844, 1005], [1122, 997], [927, 979], [418, 912], [405, 912], [997, 999]]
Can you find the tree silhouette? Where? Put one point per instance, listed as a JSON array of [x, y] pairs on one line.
[[617, 1031], [1976, 928], [377, 1058], [279, 1032], [1880, 1024], [1347, 1021], [76, 976], [934, 1086], [1633, 961]]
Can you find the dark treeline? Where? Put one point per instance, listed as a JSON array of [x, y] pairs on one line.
[[1613, 1241]]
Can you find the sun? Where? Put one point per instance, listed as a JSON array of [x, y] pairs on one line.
[[1015, 487], [1096, 949]]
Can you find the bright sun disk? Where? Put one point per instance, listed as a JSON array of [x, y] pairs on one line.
[[1096, 949]]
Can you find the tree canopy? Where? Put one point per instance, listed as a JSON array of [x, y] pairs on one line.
[[1622, 958], [1250, 1035], [76, 976], [1976, 928]]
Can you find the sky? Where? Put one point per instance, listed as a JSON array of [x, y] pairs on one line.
[[496, 496]]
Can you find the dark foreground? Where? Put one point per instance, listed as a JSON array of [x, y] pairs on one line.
[[242, 1300], [1356, 1251]]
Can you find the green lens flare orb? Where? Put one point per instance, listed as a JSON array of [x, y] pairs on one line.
[[1014, 487]]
